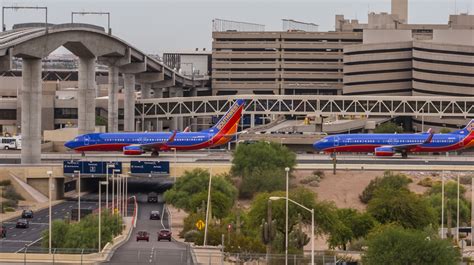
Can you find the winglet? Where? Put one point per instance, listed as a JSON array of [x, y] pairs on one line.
[[171, 139], [430, 136], [187, 129]]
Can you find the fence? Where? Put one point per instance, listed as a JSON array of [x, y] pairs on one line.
[[159, 254]]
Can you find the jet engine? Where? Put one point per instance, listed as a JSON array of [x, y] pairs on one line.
[[384, 151], [132, 150]]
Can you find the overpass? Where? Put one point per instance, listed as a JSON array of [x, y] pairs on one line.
[[31, 42], [315, 105]]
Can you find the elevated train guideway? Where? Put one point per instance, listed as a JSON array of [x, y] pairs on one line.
[[416, 106], [33, 41]]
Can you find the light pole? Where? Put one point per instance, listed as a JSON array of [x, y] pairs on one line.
[[116, 172], [312, 222], [287, 170], [100, 211], [107, 186], [78, 194], [208, 206], [442, 206], [457, 216], [50, 187]]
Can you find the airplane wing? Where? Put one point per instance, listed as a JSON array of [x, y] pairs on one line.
[[156, 145], [403, 147]]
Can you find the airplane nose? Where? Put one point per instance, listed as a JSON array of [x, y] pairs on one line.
[[69, 145], [317, 146]]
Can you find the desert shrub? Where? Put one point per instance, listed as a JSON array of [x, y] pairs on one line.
[[426, 182]]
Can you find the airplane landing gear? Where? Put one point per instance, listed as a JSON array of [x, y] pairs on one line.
[[154, 154], [404, 155], [83, 154]]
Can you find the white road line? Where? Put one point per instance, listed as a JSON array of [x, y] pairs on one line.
[[28, 245]]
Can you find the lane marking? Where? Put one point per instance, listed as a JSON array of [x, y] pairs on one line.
[[28, 245]]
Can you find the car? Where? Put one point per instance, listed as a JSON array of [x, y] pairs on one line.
[[22, 223], [3, 231], [164, 234], [155, 215], [27, 214], [152, 197], [143, 235]]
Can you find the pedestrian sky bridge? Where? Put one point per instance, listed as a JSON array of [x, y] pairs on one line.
[[416, 106]]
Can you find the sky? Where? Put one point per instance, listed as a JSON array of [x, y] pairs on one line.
[[157, 26]]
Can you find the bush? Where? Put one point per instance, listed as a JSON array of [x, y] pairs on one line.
[[10, 193], [395, 245], [5, 182], [388, 127], [465, 180], [191, 236], [388, 181], [426, 182], [309, 179]]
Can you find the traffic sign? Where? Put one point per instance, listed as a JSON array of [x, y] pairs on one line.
[[200, 224]]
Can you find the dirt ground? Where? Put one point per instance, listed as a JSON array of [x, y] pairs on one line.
[[344, 187]]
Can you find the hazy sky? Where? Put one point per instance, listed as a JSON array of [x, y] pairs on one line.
[[157, 26]]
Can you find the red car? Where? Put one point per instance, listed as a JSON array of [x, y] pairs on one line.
[[164, 234], [143, 235]]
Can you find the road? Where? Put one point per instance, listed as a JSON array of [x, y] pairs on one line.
[[17, 238], [223, 156], [152, 252]]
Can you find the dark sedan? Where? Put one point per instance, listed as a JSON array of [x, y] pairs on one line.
[[22, 223], [143, 235], [164, 234], [3, 231], [155, 215], [27, 214]]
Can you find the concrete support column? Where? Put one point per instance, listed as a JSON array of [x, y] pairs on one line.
[[86, 95], [194, 121], [158, 124], [180, 121], [146, 94], [174, 121], [31, 112], [252, 120], [129, 103], [113, 98]]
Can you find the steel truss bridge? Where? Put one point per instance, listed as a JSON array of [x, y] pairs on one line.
[[416, 106]]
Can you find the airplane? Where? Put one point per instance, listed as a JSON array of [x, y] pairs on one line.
[[403, 143], [137, 143]]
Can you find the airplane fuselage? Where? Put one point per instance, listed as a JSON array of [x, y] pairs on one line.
[[367, 143], [117, 141]]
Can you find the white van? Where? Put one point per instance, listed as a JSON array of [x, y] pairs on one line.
[[10, 143]]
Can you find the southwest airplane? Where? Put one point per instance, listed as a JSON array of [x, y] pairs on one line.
[[154, 142], [390, 144]]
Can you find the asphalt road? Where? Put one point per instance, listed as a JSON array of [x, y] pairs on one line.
[[17, 238], [152, 252]]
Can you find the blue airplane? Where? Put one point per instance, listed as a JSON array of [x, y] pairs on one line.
[[137, 143], [403, 143]]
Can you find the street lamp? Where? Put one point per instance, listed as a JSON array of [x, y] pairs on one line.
[[107, 186], [287, 170], [50, 187], [78, 195], [312, 223], [115, 173], [100, 210], [208, 205]]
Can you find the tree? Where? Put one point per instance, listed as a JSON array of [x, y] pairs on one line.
[[402, 207], [261, 167], [190, 191], [450, 193], [389, 180], [445, 130], [388, 127], [398, 246], [324, 215], [350, 225], [84, 234]]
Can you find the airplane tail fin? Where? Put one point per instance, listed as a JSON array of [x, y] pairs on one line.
[[469, 127], [233, 116]]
